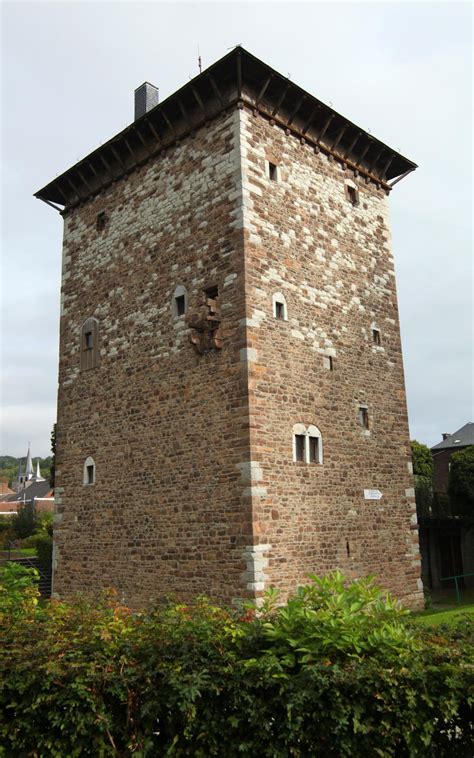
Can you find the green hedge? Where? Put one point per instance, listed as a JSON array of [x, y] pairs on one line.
[[337, 671]]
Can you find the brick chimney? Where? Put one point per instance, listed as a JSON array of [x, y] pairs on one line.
[[445, 436], [146, 97]]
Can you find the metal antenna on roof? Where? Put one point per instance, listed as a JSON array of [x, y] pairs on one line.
[[199, 60]]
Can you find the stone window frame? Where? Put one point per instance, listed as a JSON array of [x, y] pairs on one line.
[[363, 417], [308, 432], [329, 362], [376, 335], [279, 299], [180, 291], [352, 192], [88, 469], [376, 341], [273, 171], [89, 344]]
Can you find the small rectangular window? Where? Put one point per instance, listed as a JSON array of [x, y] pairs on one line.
[[313, 450], [376, 336], [272, 172], [101, 221], [89, 344], [328, 362], [364, 417], [90, 474], [299, 447], [279, 311], [180, 305], [353, 195]]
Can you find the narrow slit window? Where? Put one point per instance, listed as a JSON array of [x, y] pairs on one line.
[[89, 471], [363, 417], [89, 344], [101, 221], [313, 450], [280, 311], [328, 362], [376, 336], [180, 301], [352, 194], [272, 172], [299, 447]]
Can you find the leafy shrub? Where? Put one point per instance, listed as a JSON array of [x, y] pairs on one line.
[[6, 531], [24, 522], [330, 617], [338, 671], [41, 539], [44, 550], [18, 592]]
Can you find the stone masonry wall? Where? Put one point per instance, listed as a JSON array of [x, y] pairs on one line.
[[196, 490], [332, 262], [167, 429]]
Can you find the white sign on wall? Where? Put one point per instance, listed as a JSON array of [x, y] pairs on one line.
[[372, 495]]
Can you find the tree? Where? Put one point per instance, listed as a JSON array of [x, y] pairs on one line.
[[24, 522], [53, 460], [422, 459], [423, 470], [461, 482]]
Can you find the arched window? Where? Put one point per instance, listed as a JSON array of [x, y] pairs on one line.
[[307, 444], [179, 302], [315, 445], [280, 311], [89, 471], [89, 344]]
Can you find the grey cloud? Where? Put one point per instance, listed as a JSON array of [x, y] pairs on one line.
[[400, 69]]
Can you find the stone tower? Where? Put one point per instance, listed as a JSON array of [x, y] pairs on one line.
[[232, 409]]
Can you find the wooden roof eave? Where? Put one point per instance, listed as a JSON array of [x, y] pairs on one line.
[[238, 77]]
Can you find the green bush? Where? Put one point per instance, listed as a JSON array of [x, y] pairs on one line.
[[44, 551], [6, 531], [24, 523], [461, 483], [41, 539], [18, 592], [337, 671]]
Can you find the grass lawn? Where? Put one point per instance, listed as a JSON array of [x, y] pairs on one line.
[[445, 615], [23, 552]]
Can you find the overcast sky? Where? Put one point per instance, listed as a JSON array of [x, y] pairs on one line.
[[402, 70]]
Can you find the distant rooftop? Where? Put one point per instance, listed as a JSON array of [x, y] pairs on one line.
[[462, 438], [37, 489]]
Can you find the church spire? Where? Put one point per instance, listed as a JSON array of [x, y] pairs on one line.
[[29, 473], [38, 477]]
